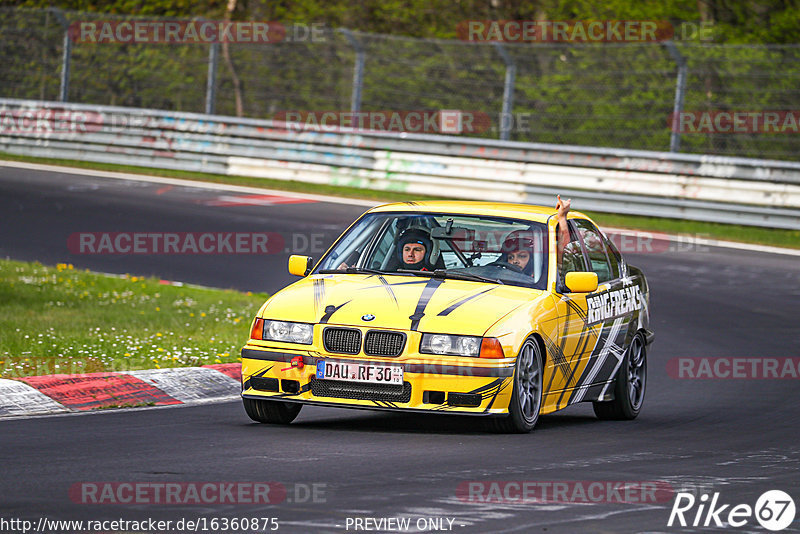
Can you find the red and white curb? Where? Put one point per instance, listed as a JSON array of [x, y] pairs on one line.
[[53, 394]]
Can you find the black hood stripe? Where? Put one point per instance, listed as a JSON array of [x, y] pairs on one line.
[[330, 310], [388, 288], [385, 283], [427, 292], [461, 302], [319, 293]]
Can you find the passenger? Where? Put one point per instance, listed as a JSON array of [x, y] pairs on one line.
[[518, 250]]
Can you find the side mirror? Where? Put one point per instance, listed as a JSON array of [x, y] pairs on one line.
[[300, 265], [581, 282]]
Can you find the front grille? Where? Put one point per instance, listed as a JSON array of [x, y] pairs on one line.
[[342, 340], [352, 390], [380, 343]]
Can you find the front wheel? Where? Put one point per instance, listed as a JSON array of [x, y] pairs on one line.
[[526, 398], [271, 411], [629, 386]]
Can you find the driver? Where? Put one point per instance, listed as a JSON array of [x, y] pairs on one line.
[[414, 250], [517, 250]]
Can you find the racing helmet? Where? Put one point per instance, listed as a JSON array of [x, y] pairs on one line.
[[519, 240], [416, 235]]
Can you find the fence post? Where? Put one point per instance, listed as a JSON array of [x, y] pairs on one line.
[[211, 82], [680, 91], [66, 56], [358, 71], [508, 92]]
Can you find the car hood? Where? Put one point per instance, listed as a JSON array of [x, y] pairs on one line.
[[397, 302]]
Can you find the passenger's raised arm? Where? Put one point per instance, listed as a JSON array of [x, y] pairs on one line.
[[562, 206]]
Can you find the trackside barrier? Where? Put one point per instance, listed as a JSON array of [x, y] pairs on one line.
[[704, 188]]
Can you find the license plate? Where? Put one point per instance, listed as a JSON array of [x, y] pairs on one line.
[[359, 372]]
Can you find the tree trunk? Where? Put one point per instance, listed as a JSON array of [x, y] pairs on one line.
[[226, 54]]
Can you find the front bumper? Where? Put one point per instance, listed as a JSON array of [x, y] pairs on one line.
[[430, 385]]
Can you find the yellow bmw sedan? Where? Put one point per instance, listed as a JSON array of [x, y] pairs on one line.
[[468, 308]]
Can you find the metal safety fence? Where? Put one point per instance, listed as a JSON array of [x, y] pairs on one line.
[[705, 188], [613, 95]]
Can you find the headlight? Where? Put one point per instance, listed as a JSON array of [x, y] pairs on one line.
[[450, 345], [288, 332]]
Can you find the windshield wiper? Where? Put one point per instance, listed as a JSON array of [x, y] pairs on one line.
[[443, 273], [351, 270]]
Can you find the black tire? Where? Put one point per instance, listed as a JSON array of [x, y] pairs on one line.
[[271, 411], [629, 385], [526, 398]]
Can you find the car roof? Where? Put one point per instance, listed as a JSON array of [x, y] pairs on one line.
[[500, 209]]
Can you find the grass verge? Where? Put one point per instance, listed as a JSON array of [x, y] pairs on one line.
[[59, 320], [714, 231]]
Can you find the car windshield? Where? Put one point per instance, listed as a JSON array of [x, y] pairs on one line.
[[480, 248]]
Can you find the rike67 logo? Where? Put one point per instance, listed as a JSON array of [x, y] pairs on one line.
[[774, 510]]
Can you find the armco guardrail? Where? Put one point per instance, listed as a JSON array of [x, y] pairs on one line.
[[716, 189]]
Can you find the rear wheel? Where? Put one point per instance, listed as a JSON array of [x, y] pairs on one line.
[[526, 398], [271, 411], [629, 386]]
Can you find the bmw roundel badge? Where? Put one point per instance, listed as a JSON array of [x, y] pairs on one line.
[[367, 317]]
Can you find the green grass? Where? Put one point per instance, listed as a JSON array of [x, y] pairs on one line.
[[59, 320], [713, 231]]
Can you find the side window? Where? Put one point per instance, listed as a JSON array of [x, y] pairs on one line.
[[614, 257], [572, 259], [596, 249]]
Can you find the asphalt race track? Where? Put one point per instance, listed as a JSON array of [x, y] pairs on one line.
[[737, 437]]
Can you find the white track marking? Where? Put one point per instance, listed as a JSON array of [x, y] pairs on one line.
[[18, 398], [191, 384]]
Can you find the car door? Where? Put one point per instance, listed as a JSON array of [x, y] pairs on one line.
[[610, 313], [575, 338]]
